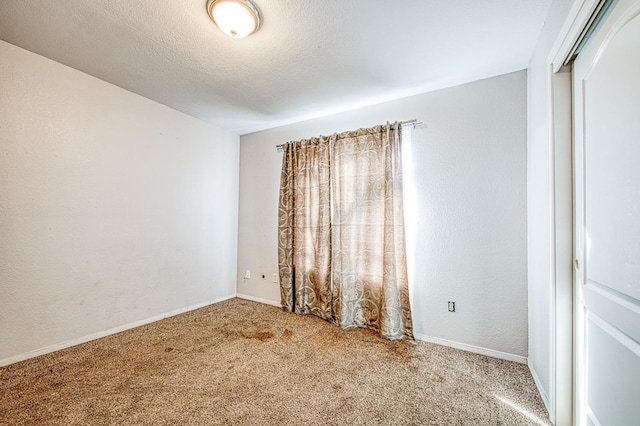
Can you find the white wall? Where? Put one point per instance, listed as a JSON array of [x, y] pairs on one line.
[[539, 204], [113, 208], [470, 202]]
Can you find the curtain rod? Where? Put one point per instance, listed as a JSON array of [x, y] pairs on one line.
[[414, 123]]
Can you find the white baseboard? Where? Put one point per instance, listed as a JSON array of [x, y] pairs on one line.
[[93, 336], [99, 334], [542, 392], [258, 299], [475, 349]]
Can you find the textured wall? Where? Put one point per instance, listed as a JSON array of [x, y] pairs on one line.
[[468, 241], [113, 208]]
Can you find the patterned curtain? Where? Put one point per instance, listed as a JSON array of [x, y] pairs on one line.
[[304, 246], [341, 231]]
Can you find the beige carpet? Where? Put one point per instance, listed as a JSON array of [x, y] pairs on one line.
[[243, 363]]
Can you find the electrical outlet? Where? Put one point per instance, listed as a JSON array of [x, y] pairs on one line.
[[247, 274], [452, 306], [275, 278]]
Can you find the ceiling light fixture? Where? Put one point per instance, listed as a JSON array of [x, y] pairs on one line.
[[236, 18]]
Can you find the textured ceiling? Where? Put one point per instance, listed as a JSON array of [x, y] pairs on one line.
[[310, 58]]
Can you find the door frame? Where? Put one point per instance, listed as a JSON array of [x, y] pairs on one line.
[[563, 395]]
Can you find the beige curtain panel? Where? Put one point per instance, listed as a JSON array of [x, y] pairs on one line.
[[341, 245]]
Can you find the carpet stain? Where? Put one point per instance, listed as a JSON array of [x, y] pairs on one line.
[[258, 335]]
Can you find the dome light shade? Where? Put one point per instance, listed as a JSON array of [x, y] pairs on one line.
[[236, 18]]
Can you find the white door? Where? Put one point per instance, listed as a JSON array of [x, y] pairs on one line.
[[607, 223]]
